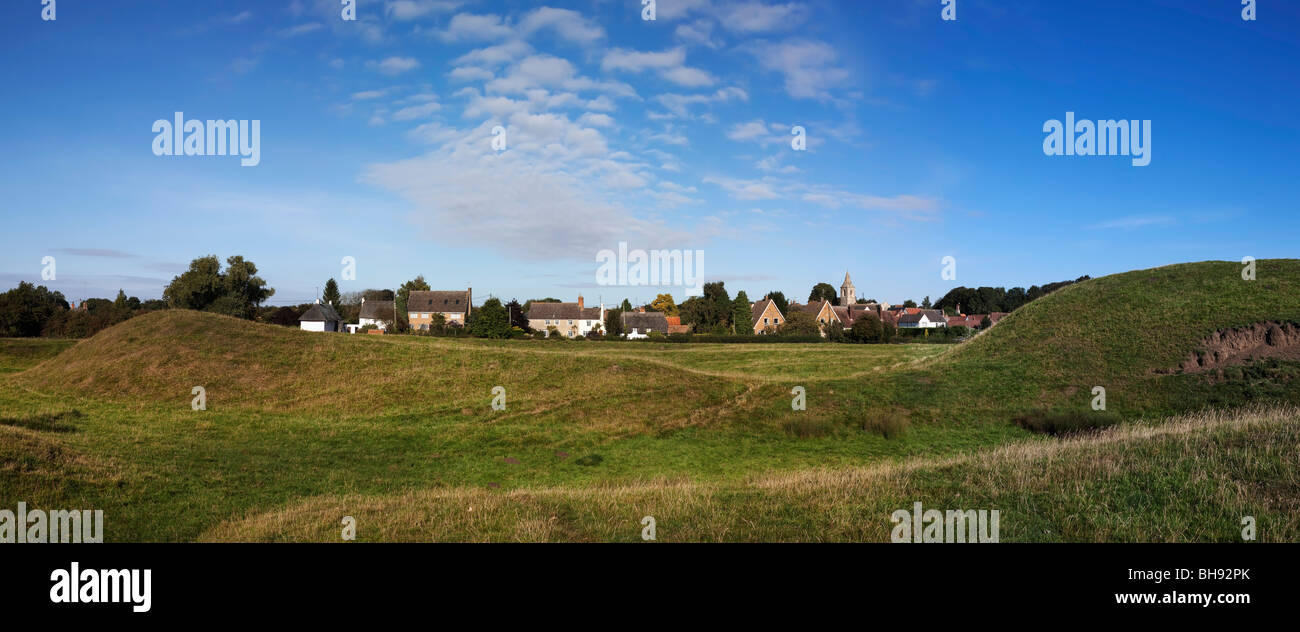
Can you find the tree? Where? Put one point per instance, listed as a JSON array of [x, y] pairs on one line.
[[417, 284], [491, 320], [925, 304], [25, 309], [799, 323], [779, 298], [664, 303], [867, 329], [614, 322], [197, 287], [237, 291], [284, 316], [331, 295], [822, 291], [119, 303], [985, 323], [742, 314], [626, 306], [909, 303]]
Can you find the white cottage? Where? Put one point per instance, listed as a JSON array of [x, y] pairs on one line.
[[321, 317]]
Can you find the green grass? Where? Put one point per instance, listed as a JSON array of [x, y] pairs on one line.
[[299, 422]]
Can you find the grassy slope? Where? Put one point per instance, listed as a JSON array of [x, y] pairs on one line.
[[404, 414], [1190, 478]]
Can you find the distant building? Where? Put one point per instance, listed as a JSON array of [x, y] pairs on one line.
[[848, 295], [765, 316], [641, 324], [377, 313], [454, 305], [570, 319], [675, 325], [321, 317], [923, 319]]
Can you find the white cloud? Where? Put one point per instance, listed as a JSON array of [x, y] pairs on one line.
[[747, 131], [405, 10], [465, 27], [395, 65], [669, 64], [569, 25], [809, 67], [596, 120], [680, 104], [744, 189], [301, 29], [756, 17], [416, 111]]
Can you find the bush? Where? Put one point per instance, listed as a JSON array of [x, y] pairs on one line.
[[1067, 423], [590, 460], [806, 428], [889, 425]]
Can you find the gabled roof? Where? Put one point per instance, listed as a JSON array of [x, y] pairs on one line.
[[645, 321], [444, 301], [378, 310], [320, 312], [756, 311], [562, 311]]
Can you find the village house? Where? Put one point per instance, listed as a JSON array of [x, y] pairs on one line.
[[454, 305], [640, 324], [922, 319], [675, 325], [765, 316], [320, 317], [569, 319], [377, 313]]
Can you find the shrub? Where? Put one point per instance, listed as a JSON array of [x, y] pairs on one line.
[[1066, 423], [806, 428], [889, 425], [590, 460]]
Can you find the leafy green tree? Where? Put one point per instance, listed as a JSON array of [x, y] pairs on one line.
[[822, 291], [614, 322], [986, 322], [197, 287], [742, 314], [867, 329], [25, 310], [236, 291], [626, 306], [491, 320], [909, 303], [331, 295], [120, 301], [925, 304], [800, 323]]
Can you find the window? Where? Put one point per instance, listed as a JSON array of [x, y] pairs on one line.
[[764, 321], [570, 322]]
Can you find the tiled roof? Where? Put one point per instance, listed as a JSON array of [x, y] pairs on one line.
[[443, 301]]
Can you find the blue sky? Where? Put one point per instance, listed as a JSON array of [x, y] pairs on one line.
[[924, 141]]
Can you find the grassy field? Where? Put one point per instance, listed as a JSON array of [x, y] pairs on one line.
[[302, 429]]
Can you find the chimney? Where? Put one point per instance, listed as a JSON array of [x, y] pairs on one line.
[[579, 301], [959, 309]]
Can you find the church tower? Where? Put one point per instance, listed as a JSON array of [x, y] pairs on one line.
[[847, 294]]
